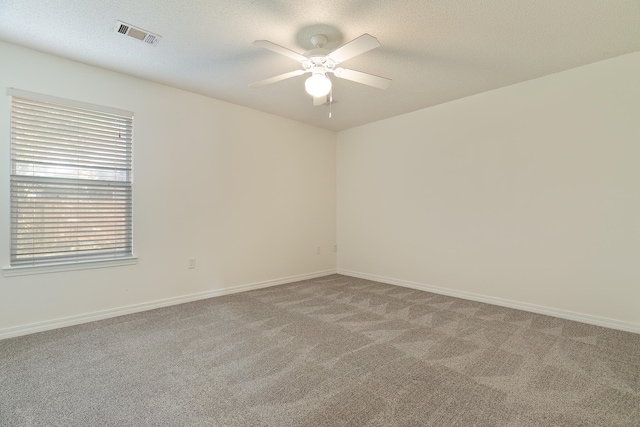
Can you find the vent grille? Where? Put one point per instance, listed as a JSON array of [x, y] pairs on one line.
[[137, 33]]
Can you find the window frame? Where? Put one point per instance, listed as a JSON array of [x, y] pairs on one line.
[[70, 263]]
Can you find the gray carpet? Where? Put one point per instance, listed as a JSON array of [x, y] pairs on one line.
[[333, 351]]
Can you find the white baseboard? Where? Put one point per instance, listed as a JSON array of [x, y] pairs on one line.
[[549, 311], [135, 308]]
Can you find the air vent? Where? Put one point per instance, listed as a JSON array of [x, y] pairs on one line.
[[136, 33]]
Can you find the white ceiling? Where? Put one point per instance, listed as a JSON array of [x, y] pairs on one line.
[[434, 50]]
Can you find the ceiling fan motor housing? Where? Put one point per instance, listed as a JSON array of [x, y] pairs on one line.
[[318, 69]]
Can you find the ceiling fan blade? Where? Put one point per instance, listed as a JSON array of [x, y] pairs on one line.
[[320, 100], [364, 78], [280, 49], [277, 78], [355, 47]]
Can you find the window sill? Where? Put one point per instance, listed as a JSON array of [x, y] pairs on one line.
[[67, 266]]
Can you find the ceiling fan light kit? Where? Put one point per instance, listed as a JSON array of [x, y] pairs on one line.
[[319, 62], [318, 85]]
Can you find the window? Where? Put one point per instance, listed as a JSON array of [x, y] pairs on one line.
[[70, 181]]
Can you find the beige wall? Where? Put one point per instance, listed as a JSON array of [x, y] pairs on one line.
[[249, 195], [525, 196], [528, 195]]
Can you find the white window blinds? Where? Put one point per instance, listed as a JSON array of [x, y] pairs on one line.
[[70, 181]]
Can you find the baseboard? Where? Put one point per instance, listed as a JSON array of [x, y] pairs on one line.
[[549, 311], [136, 308]]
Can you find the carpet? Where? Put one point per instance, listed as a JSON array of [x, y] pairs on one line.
[[332, 351]]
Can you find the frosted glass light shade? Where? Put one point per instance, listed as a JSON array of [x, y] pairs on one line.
[[318, 85]]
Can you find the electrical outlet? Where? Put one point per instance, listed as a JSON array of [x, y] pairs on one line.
[[192, 263], [318, 251], [335, 248]]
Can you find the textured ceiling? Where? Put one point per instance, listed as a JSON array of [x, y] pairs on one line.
[[435, 51]]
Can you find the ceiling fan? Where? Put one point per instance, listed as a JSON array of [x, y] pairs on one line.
[[320, 62]]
